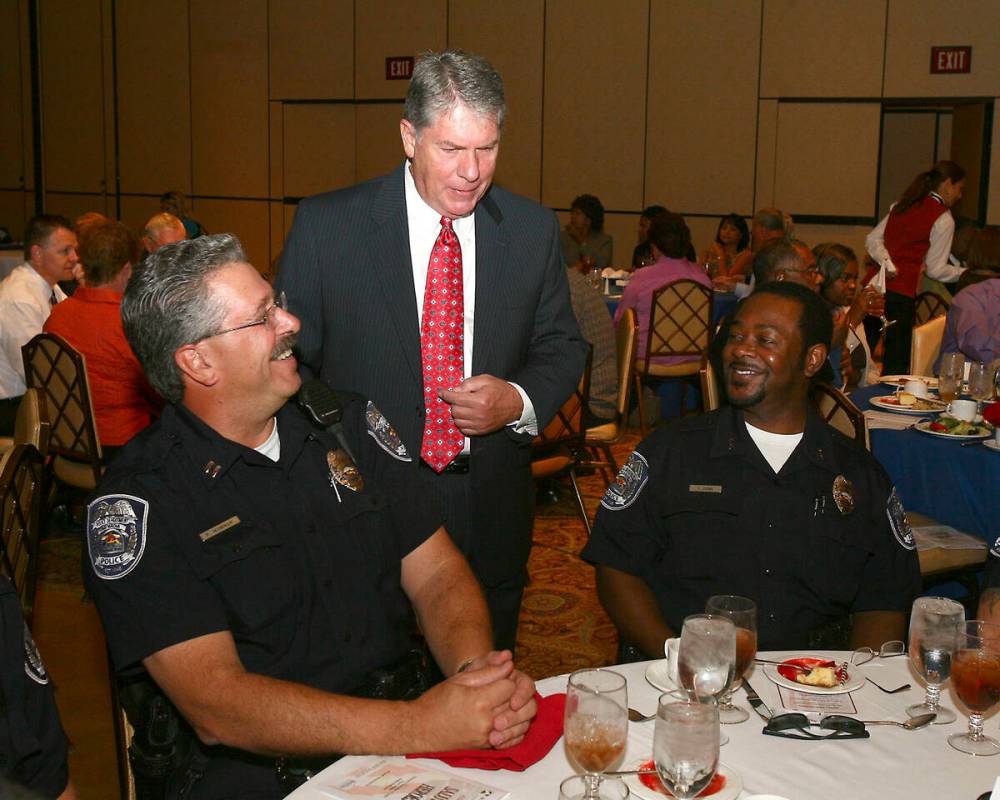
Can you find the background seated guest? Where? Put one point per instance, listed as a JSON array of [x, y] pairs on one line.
[[161, 229], [270, 573], [584, 238], [760, 499], [176, 203], [90, 320], [973, 324], [670, 240], [767, 224], [595, 323], [786, 260], [642, 255], [27, 296], [732, 239]]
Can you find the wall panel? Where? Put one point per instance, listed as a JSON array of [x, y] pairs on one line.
[[813, 48], [767, 144], [700, 132], [595, 97], [917, 25], [72, 95], [993, 201], [379, 148], [73, 205], [229, 123], [154, 97], [136, 210], [907, 149], [385, 28], [318, 143], [12, 216], [827, 158], [12, 106], [248, 219], [317, 33], [484, 27]]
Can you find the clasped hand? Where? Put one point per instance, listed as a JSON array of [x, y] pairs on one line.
[[483, 404]]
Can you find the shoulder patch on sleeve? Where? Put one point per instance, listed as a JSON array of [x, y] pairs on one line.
[[898, 522], [995, 548], [380, 429], [33, 666], [627, 484], [116, 534]]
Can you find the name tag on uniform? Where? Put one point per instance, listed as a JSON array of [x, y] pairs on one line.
[[215, 530], [705, 488]]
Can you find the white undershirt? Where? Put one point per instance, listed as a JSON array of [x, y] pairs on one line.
[[775, 447], [271, 447]]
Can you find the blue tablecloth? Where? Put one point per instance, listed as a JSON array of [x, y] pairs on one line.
[[958, 486]]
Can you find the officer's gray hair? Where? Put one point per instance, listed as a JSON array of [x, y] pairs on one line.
[[441, 80], [167, 305]]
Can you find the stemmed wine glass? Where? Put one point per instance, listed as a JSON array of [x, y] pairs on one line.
[[975, 674], [935, 623], [950, 376], [706, 660], [980, 384], [686, 743], [743, 612], [595, 723]]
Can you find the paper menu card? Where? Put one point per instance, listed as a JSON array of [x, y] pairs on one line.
[[382, 778], [820, 704]]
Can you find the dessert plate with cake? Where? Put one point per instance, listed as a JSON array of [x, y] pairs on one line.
[[815, 675], [906, 403]]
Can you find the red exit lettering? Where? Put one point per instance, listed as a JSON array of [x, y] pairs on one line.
[[399, 68], [951, 60]]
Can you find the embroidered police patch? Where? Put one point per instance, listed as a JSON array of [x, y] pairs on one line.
[[382, 432], [898, 522], [995, 547], [33, 666], [627, 483], [116, 534]]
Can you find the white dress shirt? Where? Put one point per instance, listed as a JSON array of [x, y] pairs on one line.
[[25, 304], [424, 225], [938, 253]]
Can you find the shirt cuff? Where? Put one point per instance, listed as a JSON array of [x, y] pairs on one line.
[[890, 268], [528, 423]]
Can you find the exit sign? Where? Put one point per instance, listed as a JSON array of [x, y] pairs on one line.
[[399, 68], [952, 60]]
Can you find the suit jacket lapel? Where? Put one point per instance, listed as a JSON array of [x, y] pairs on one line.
[[492, 282], [389, 258]]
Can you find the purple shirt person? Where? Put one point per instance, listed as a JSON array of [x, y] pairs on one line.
[[973, 324]]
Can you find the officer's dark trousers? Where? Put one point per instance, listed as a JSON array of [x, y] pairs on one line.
[[896, 357]]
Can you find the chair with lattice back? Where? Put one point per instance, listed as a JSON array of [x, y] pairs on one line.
[[839, 411], [52, 366], [20, 509], [559, 448], [928, 305], [680, 325]]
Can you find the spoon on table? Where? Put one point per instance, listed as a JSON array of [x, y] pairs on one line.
[[912, 724], [635, 716]]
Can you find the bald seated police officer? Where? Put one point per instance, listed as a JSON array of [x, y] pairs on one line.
[[760, 499], [257, 571]]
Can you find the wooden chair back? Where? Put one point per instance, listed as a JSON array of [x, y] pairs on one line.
[[927, 306], [626, 347], [20, 510], [566, 427], [680, 321], [709, 385], [925, 346], [838, 411]]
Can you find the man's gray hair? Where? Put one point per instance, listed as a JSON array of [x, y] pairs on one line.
[[441, 80], [770, 219], [775, 256], [167, 305]]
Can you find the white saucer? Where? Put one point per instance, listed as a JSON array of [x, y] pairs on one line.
[[732, 789], [658, 675]]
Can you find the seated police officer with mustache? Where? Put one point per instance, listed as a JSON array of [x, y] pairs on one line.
[[760, 499], [262, 570]]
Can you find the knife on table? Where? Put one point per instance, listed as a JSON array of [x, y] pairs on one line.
[[758, 705]]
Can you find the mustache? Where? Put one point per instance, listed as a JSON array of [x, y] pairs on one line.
[[286, 343]]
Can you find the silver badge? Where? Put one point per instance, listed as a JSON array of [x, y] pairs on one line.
[[627, 484], [843, 494], [116, 534], [380, 429], [344, 471], [898, 522], [33, 666]]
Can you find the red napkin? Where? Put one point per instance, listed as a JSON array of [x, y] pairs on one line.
[[545, 730], [992, 413]]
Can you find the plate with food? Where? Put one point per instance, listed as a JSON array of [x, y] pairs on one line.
[[814, 675], [726, 785], [993, 445], [906, 403], [950, 428], [658, 675], [899, 380]]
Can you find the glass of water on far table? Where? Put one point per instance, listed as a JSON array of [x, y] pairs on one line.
[[980, 384], [950, 376], [935, 625], [595, 725], [686, 743]]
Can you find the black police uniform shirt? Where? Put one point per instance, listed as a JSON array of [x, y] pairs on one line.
[[192, 534], [33, 746], [697, 511]]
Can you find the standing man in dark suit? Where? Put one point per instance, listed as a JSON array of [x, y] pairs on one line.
[[444, 299]]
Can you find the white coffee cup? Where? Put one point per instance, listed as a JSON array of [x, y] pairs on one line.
[[963, 409], [671, 647], [917, 388]]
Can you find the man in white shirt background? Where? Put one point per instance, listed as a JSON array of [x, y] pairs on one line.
[[26, 298]]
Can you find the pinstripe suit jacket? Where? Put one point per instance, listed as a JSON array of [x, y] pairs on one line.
[[346, 271]]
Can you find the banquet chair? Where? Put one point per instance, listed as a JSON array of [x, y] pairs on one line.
[[925, 346], [31, 425], [558, 450], [59, 372], [20, 510], [709, 385], [680, 324], [929, 305], [598, 440], [838, 411]]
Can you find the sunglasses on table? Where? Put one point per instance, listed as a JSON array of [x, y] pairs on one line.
[[797, 726]]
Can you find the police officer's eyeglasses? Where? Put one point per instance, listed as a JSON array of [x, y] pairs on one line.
[[268, 319], [797, 726]]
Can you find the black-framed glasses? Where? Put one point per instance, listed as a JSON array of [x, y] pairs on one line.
[[268, 319], [797, 726]]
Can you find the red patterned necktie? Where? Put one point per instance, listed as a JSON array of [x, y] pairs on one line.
[[442, 340]]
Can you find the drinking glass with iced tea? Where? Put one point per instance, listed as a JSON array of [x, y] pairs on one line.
[[595, 725]]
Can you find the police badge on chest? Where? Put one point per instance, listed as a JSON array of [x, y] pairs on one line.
[[344, 472]]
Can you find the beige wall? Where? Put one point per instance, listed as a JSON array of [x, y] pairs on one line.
[[694, 104]]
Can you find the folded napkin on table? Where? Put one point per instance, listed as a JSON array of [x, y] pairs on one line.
[[545, 730], [888, 420]]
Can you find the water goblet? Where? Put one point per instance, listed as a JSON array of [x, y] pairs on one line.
[[934, 634], [575, 787], [706, 660], [980, 384], [975, 675], [743, 612], [595, 723], [686, 743], [950, 375]]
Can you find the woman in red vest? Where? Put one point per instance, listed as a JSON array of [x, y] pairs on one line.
[[916, 234]]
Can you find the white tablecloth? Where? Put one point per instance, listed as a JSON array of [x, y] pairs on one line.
[[894, 764]]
